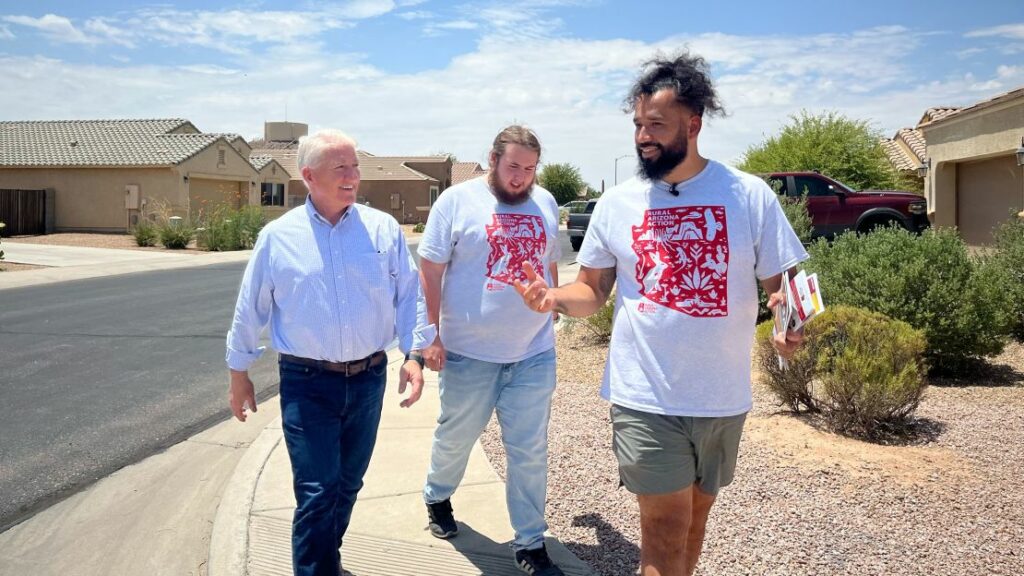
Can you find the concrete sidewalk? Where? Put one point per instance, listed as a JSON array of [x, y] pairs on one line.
[[388, 535]]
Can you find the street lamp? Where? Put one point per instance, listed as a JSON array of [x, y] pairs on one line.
[[617, 166]]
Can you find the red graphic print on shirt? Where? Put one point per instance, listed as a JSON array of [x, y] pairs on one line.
[[515, 239], [683, 259]]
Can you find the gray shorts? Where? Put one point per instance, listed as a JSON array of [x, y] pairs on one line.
[[659, 454]]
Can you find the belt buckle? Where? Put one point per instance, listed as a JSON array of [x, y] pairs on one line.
[[347, 365]]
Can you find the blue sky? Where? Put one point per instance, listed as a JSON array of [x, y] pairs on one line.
[[421, 76]]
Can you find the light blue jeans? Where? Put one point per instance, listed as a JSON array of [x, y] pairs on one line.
[[471, 390]]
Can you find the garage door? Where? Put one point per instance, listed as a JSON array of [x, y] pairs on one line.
[[986, 191], [206, 195]]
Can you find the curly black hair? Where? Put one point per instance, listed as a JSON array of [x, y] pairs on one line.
[[687, 75]]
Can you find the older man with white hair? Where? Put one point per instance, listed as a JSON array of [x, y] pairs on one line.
[[336, 283]]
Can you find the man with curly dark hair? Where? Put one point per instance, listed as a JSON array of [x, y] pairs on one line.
[[686, 242]]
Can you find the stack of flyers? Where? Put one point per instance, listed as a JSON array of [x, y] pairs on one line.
[[801, 302]]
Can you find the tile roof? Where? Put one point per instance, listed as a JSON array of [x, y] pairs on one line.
[[372, 167], [462, 171], [949, 112], [914, 140], [260, 161], [96, 143], [900, 157], [936, 113]]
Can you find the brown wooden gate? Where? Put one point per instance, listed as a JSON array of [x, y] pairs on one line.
[[24, 212]]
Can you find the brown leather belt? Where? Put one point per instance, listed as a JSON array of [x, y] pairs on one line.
[[347, 368]]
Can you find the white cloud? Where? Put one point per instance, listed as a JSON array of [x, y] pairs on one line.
[[1015, 31], [56, 28], [569, 90], [415, 15], [5, 33]]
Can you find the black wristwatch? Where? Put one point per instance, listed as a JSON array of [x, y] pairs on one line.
[[413, 355]]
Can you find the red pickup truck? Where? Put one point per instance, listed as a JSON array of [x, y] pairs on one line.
[[836, 208]]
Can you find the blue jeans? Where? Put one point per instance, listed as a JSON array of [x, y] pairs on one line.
[[330, 427], [471, 390]]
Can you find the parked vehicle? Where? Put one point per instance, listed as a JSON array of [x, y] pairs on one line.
[[836, 208], [577, 224]]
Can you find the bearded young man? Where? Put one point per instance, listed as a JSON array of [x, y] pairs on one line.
[[492, 353], [686, 243]]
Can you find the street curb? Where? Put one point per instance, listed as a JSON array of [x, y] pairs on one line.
[[229, 540]]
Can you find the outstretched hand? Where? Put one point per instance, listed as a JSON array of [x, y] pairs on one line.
[[535, 291]]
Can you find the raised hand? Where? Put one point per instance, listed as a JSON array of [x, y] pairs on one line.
[[535, 291]]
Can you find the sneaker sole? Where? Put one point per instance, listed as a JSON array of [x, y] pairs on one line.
[[444, 535]]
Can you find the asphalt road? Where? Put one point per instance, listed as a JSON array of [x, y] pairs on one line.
[[97, 374]]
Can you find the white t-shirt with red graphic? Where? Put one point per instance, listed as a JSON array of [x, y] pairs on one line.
[[484, 244], [687, 268]]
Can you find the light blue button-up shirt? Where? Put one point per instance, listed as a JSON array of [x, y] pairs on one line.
[[335, 293]]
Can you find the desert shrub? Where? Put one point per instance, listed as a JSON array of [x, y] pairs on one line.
[[227, 230], [928, 281], [145, 233], [419, 227], [176, 236], [1009, 260], [2, 226], [862, 371]]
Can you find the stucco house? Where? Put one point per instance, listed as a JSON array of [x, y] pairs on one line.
[[403, 186], [973, 174], [103, 175]]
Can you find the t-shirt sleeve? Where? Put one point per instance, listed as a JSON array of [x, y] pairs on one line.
[[778, 247], [436, 243], [595, 251]]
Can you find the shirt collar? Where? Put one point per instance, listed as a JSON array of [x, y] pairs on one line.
[[315, 216]]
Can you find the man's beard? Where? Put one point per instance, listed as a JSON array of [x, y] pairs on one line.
[[504, 195], [659, 167]]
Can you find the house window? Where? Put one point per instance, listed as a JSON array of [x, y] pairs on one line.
[[433, 195], [271, 194]]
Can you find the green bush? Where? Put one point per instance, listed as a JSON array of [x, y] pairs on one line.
[[419, 227], [145, 233], [227, 230], [176, 236], [928, 281], [862, 371], [1009, 260]]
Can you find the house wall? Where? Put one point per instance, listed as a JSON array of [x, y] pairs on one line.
[[273, 173], [93, 199], [986, 133], [211, 182], [414, 198]]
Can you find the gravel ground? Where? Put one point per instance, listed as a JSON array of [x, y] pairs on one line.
[[808, 502]]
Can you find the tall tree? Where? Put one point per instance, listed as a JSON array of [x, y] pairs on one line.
[[562, 180], [846, 149]]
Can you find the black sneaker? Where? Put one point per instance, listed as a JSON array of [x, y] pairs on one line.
[[442, 523], [536, 562]]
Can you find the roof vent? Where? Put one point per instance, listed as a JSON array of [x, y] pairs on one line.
[[379, 167], [74, 143]]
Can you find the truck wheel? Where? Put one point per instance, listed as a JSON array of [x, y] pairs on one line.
[[576, 242], [876, 223]]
